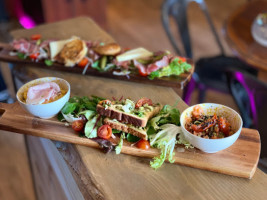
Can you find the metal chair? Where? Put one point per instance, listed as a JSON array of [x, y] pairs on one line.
[[209, 72], [250, 95]]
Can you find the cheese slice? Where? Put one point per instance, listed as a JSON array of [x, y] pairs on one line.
[[134, 54]]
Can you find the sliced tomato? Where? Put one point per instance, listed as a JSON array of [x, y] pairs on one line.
[[83, 62], [36, 37], [34, 56], [143, 101], [142, 71], [105, 132], [143, 144], [78, 125]]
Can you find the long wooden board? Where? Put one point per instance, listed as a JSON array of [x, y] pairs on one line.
[[86, 29], [238, 160]]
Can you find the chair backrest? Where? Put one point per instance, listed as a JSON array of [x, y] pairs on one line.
[[253, 108], [177, 9]]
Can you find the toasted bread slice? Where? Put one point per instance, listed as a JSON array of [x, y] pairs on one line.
[[127, 128], [128, 118], [108, 49], [72, 52]]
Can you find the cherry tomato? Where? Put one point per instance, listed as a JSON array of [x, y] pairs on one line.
[[36, 37], [142, 71], [105, 131], [143, 101], [34, 56], [143, 144], [182, 59], [224, 126], [108, 102], [83, 63], [78, 125]]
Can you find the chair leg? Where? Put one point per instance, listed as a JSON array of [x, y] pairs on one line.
[[188, 90]]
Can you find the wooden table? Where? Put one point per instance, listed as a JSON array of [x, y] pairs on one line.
[[66, 171], [239, 37]]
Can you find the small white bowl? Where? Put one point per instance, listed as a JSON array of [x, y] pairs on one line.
[[48, 110], [213, 145]]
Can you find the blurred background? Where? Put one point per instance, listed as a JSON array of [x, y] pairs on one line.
[[132, 24]]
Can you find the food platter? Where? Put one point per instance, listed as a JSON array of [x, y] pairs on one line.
[[238, 160], [96, 34], [174, 81]]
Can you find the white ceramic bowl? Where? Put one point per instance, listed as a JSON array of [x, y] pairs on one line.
[[48, 110], [213, 145]]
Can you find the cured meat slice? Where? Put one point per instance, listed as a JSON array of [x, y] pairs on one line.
[[40, 93]]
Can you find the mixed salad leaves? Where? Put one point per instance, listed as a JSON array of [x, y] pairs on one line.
[[176, 67], [163, 129]]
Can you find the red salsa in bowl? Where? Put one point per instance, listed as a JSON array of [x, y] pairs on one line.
[[208, 126]]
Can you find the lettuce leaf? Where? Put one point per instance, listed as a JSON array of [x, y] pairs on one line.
[[167, 115], [164, 140], [119, 146], [75, 105], [132, 138], [176, 67], [90, 129], [88, 114]]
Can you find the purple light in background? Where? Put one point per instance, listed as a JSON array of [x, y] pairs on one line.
[[26, 22], [239, 76]]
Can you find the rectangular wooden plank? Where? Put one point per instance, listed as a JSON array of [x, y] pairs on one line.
[[238, 160]]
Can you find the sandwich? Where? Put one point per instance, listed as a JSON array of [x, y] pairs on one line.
[[128, 116]]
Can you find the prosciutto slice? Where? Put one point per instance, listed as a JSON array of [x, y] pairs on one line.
[[142, 68], [158, 65], [153, 66], [123, 64], [24, 46], [40, 93], [29, 46]]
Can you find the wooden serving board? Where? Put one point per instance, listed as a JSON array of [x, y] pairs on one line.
[[240, 159], [86, 29]]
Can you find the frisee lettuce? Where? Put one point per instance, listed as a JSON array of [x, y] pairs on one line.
[[164, 140]]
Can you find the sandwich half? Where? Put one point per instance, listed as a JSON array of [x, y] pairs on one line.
[[127, 117]]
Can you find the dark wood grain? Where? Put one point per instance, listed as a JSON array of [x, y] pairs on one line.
[[173, 81], [238, 160], [239, 37]]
